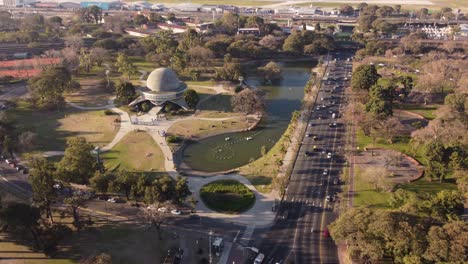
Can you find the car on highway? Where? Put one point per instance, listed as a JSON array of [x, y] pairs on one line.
[[309, 135], [176, 212], [325, 172], [163, 209], [329, 155], [309, 153], [332, 124], [336, 181], [315, 138], [259, 259]]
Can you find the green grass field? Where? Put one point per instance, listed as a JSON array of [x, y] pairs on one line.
[[227, 196], [137, 151], [366, 195]]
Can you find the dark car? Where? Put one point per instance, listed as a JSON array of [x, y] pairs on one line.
[[309, 153]]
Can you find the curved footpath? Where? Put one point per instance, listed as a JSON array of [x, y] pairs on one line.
[[260, 215]]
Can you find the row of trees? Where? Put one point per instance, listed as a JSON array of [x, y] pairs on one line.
[[142, 186]]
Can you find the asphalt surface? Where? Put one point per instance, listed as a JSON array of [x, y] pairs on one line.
[[299, 232]]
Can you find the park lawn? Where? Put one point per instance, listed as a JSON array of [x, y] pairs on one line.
[[142, 64], [202, 128], [54, 127], [422, 186], [218, 102], [137, 151], [93, 92], [427, 111], [366, 195], [227, 196]]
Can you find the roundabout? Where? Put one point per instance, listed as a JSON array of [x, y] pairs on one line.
[[227, 196]]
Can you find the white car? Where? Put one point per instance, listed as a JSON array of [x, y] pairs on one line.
[[176, 212], [329, 155], [112, 200], [162, 209], [325, 172], [57, 186]]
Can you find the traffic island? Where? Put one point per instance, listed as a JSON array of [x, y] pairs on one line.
[[227, 196]]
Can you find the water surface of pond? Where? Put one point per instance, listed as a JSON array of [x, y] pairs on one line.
[[217, 154]]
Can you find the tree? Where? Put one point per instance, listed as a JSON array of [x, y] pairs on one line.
[[293, 43], [365, 21], [447, 243], [378, 177], [200, 56], [124, 92], [190, 39], [75, 202], [182, 190], [85, 60], [124, 183], [77, 164], [47, 89], [191, 98], [411, 43], [98, 55], [437, 160], [248, 101], [167, 187], [380, 101], [270, 42], [231, 70], [398, 9], [96, 13], [154, 219], [364, 77], [23, 217], [125, 66], [445, 205], [140, 20], [229, 22], [271, 72], [102, 182], [42, 184], [390, 128], [27, 140], [346, 10]]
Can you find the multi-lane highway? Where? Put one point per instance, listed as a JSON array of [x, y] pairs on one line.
[[300, 231]]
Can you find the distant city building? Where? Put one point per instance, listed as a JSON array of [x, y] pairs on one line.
[[162, 87], [463, 32], [16, 3]]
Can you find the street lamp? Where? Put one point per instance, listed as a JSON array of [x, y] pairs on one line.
[[107, 76], [209, 241]]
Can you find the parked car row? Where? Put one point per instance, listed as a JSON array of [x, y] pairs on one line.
[[19, 167]]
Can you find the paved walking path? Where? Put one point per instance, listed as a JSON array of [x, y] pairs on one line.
[[260, 214]]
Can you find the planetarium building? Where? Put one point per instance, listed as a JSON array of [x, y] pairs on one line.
[[162, 87]]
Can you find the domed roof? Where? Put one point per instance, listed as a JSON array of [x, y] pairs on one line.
[[164, 80]]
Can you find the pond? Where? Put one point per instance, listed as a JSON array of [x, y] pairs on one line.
[[217, 154]]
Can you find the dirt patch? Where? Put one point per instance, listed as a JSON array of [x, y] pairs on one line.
[[404, 168]]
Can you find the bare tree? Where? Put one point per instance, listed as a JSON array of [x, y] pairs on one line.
[[390, 128], [200, 56], [248, 101], [71, 59], [154, 219], [270, 42], [379, 178], [74, 41], [98, 55], [27, 140]]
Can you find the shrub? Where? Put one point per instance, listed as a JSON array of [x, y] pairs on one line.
[[108, 112], [146, 106], [238, 88], [173, 139]]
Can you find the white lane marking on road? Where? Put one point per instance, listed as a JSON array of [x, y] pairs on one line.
[[235, 238], [245, 239]]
